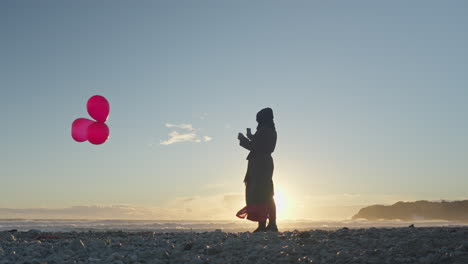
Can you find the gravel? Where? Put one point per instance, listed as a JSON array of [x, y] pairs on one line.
[[370, 245]]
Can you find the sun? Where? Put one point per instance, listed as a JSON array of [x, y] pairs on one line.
[[281, 200]]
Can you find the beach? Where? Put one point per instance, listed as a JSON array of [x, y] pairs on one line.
[[344, 245]]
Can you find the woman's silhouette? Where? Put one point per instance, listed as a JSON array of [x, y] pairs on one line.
[[258, 179]]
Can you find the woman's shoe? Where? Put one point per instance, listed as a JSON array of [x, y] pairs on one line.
[[261, 227], [272, 228]]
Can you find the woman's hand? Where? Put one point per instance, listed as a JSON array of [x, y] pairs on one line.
[[244, 142]]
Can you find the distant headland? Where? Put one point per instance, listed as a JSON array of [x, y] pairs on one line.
[[419, 210]]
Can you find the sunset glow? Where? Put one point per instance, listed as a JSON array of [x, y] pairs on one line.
[[369, 102]]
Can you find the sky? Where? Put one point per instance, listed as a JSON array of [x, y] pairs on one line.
[[369, 99]]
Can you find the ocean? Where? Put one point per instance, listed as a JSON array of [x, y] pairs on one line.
[[65, 225]]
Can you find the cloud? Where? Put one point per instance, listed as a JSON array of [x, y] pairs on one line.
[[215, 207], [188, 134], [84, 212], [188, 127], [203, 116], [219, 206], [222, 206], [189, 199], [175, 137]]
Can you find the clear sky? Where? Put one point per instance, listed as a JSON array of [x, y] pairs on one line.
[[369, 97]]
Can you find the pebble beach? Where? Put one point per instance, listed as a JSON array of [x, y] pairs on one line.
[[345, 245]]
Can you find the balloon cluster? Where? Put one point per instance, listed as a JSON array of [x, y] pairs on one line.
[[96, 132]]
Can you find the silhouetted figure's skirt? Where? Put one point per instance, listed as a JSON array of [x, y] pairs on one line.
[[259, 190], [258, 212]]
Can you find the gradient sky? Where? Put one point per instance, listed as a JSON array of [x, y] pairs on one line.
[[370, 103]]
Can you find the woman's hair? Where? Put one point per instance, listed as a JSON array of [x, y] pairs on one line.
[[265, 118]]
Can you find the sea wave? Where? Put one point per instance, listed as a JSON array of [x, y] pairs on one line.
[[199, 225]]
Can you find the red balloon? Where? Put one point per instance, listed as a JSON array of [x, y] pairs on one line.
[[79, 130], [98, 133], [98, 108]]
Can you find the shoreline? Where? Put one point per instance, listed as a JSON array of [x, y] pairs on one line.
[[201, 225]]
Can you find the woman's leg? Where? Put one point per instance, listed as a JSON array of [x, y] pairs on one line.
[[261, 227], [272, 217]]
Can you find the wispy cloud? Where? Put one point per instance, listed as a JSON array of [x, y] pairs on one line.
[[175, 137], [188, 127], [207, 206], [85, 212], [184, 133], [221, 206], [203, 116]]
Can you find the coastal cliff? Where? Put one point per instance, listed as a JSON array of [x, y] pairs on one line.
[[419, 210]]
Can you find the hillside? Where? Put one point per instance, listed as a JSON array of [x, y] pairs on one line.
[[419, 210]]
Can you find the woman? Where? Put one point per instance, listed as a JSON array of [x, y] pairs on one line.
[[258, 179]]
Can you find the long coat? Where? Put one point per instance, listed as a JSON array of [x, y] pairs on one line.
[[258, 179]]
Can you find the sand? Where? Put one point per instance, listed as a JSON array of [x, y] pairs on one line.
[[369, 245]]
